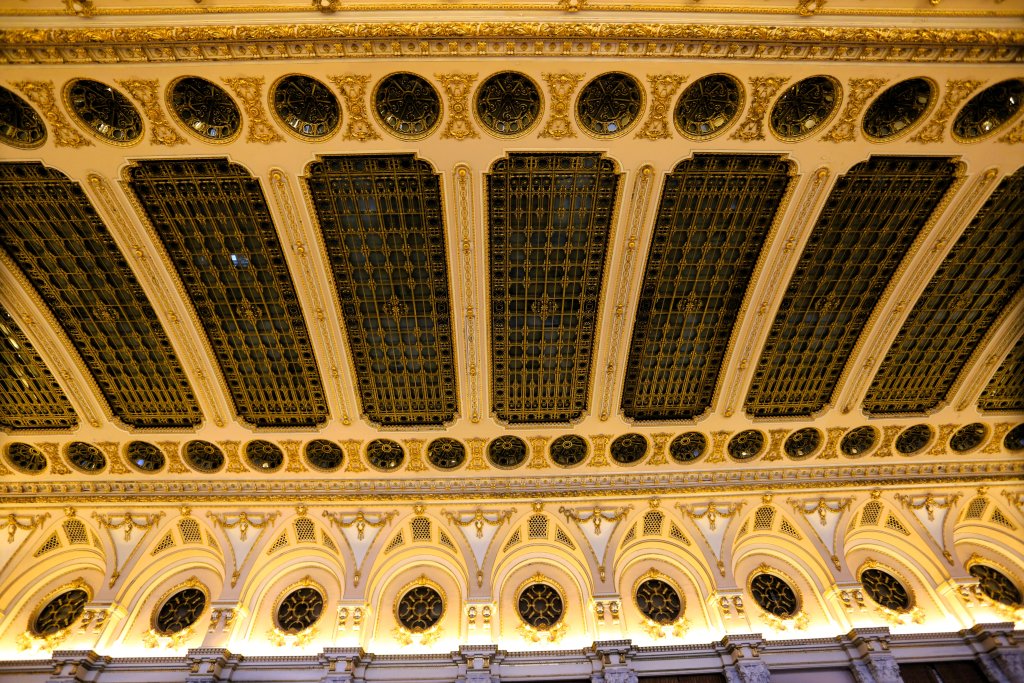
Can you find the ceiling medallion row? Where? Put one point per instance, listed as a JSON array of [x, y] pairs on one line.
[[509, 104], [510, 452]]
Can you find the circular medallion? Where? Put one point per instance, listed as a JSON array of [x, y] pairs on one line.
[[407, 105], [145, 456], [568, 450], [20, 125], [299, 610], [805, 107], [104, 110], [896, 110], [688, 446], [180, 611], [540, 606], [659, 601], [858, 441], [774, 595], [996, 585], [885, 589], [385, 454], [306, 107], [507, 452], [324, 455], [26, 458], [508, 103], [60, 612], [446, 454], [419, 608], [708, 106], [264, 456], [86, 457], [968, 437], [205, 109], [610, 104], [203, 456], [987, 112], [629, 449], [802, 443], [1014, 439], [746, 445], [913, 439]]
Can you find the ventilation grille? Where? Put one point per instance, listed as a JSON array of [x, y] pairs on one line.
[[96, 542], [328, 543], [677, 533], [52, 543], [420, 529], [538, 526], [999, 518], [189, 530], [743, 530], [281, 542], [976, 509], [870, 515], [443, 538], [630, 535], [788, 529], [212, 542], [764, 518], [652, 523], [397, 541], [166, 542], [894, 524], [75, 531], [305, 530], [562, 538], [514, 539]]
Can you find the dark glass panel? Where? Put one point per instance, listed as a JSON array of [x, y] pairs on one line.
[[507, 451], [385, 454], [805, 107], [709, 105], [446, 454], [569, 450], [858, 441], [180, 611], [987, 111], [913, 439], [688, 446], [629, 448], [898, 108], [299, 610], [996, 585], [659, 601], [60, 612], [968, 437], [264, 456], [105, 110], [204, 456], [1005, 391], [746, 445], [205, 108], [145, 456], [306, 106], [774, 595], [885, 589], [20, 125], [324, 455], [420, 608], [540, 606], [1014, 439], [408, 105], [802, 442], [26, 458], [610, 104], [508, 103], [86, 457]]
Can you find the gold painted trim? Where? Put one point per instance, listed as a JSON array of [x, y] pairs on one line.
[[763, 91], [65, 92], [526, 131], [305, 582], [925, 115], [145, 92], [860, 92], [459, 122], [463, 206], [391, 131], [191, 582], [836, 106], [953, 96], [169, 101], [559, 123], [728, 124], [625, 131], [284, 125]]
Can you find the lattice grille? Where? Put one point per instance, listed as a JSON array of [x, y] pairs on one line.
[[549, 217], [764, 518], [305, 530], [54, 234], [676, 533], [328, 543], [978, 278], [653, 521], [51, 543], [189, 530], [214, 221], [281, 542], [1005, 391], [630, 535], [75, 531], [787, 528], [166, 542], [212, 542], [562, 538], [743, 530], [976, 508], [999, 518], [397, 541], [895, 524], [538, 526], [867, 226], [513, 540], [714, 215], [420, 529], [445, 539], [871, 514], [383, 227]]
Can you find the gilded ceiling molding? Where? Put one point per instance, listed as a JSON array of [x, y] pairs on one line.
[[831, 450], [762, 90], [145, 92], [476, 454], [808, 8], [478, 518], [233, 457], [638, 205], [538, 445], [467, 252], [860, 90], [353, 90], [309, 281], [353, 454], [456, 89], [889, 434], [717, 452], [995, 442], [600, 448], [990, 352], [249, 89], [561, 87], [658, 443], [776, 437], [824, 508], [128, 521], [956, 92], [414, 463], [243, 521], [658, 125], [17, 522], [170, 449], [42, 95]]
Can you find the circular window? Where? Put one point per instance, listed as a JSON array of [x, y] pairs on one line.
[[306, 106], [60, 612], [540, 606], [746, 445], [26, 458], [968, 437], [688, 446], [203, 456], [986, 112], [299, 610], [610, 104], [805, 107], [385, 454], [1014, 439], [205, 109], [897, 109], [708, 106], [885, 589], [145, 456], [508, 103], [507, 452], [104, 110], [659, 601], [86, 457], [263, 455], [20, 125], [802, 443], [858, 441], [913, 439], [996, 585], [324, 455], [774, 595], [180, 611], [419, 608], [446, 454], [407, 105], [568, 450], [629, 449]]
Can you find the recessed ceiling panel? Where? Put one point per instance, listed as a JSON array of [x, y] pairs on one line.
[[868, 224], [1005, 391], [213, 220], [29, 396], [383, 227], [54, 234], [714, 215], [549, 217], [979, 276]]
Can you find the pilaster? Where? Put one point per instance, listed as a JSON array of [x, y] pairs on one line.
[[870, 658], [211, 665], [610, 661], [999, 652], [343, 664], [76, 666], [742, 659], [475, 663]]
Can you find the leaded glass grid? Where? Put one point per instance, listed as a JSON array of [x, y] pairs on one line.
[[708, 106], [60, 612], [1005, 391], [540, 606], [898, 108], [299, 610], [385, 454], [86, 457], [996, 585], [204, 456], [51, 230], [446, 454], [549, 218], [205, 109], [610, 104], [506, 451], [306, 106], [26, 458], [746, 445], [774, 595], [976, 281], [913, 439], [145, 456], [569, 450], [629, 448], [508, 103], [986, 112], [968, 437], [420, 608], [324, 454], [885, 589], [30, 397], [688, 446], [713, 217], [213, 219], [865, 229], [383, 227], [805, 107], [802, 442], [20, 125], [104, 110], [658, 601], [858, 441], [180, 611]]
